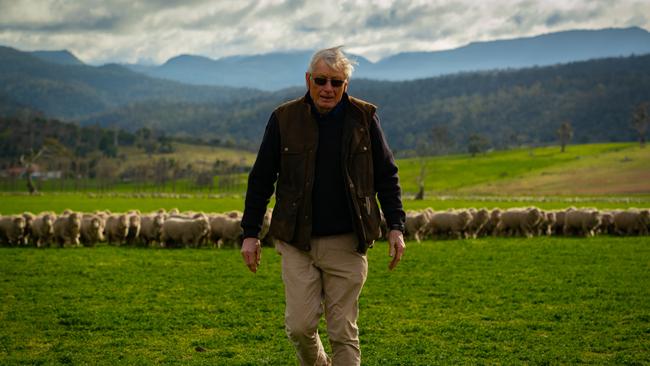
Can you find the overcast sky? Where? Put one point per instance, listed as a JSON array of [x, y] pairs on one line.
[[152, 31]]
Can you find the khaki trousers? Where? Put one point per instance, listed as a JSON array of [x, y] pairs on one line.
[[330, 275]]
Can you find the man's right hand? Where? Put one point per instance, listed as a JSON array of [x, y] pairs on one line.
[[251, 251]]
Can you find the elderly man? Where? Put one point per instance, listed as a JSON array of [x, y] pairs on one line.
[[330, 159]]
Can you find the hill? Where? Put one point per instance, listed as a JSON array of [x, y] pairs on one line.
[[274, 71], [508, 107], [63, 57], [69, 91], [618, 169]]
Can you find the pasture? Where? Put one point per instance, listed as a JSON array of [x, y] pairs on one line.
[[488, 301]]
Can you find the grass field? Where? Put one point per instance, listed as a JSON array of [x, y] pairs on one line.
[[594, 169], [14, 204], [488, 301]]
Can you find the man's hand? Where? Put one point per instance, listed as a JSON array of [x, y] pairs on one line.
[[396, 247], [251, 251]]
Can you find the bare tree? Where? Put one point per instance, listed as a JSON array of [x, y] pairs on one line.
[[641, 120], [28, 161], [564, 134]]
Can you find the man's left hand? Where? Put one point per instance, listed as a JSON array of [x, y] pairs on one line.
[[396, 247]]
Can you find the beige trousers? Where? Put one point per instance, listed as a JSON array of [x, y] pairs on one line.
[[330, 275]]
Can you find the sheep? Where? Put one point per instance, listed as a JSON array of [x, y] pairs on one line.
[[43, 229], [479, 219], [490, 226], [415, 225], [27, 234], [117, 228], [266, 225], [12, 229], [522, 222], [607, 223], [581, 222], [134, 227], [560, 216], [449, 223], [92, 230], [225, 229], [632, 222], [151, 228], [188, 232], [234, 214], [545, 226], [67, 228]]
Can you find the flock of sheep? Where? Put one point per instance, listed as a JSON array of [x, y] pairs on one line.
[[161, 228], [190, 229], [527, 222]]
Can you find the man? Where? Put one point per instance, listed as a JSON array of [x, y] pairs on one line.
[[329, 156]]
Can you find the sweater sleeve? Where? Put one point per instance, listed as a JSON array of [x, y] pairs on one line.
[[261, 180], [386, 179]]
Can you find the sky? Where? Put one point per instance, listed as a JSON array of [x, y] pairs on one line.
[[152, 31]]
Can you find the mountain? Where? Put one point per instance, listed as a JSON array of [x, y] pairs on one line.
[[507, 107], [271, 71], [275, 71], [72, 91], [548, 49], [63, 57]]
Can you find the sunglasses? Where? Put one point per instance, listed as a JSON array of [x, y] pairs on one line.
[[336, 83]]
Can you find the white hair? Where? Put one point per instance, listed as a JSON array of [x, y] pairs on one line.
[[335, 59]]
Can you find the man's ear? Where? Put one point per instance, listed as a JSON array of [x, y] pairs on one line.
[[307, 76]]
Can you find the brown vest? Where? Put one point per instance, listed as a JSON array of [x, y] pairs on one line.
[[292, 214]]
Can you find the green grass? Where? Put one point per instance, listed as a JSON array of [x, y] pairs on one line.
[[489, 301], [57, 202], [460, 172], [538, 171]]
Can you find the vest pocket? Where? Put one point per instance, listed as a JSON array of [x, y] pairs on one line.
[[370, 216], [293, 165]]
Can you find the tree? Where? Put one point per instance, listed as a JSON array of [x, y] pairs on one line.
[[440, 139], [477, 143], [640, 121], [28, 163], [564, 134]]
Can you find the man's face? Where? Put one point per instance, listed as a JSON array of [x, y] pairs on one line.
[[326, 96]]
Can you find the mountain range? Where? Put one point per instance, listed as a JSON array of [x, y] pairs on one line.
[[279, 70], [274, 71], [506, 105]]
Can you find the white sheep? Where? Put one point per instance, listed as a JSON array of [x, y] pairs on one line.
[[479, 219], [188, 232], [225, 230], [12, 229], [43, 229], [117, 228], [521, 222], [582, 222], [632, 222], [449, 223], [151, 228], [67, 228], [92, 230]]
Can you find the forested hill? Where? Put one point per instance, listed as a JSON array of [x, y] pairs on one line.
[[71, 91], [515, 106], [508, 107]]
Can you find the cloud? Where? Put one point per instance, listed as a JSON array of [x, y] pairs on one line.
[[101, 31]]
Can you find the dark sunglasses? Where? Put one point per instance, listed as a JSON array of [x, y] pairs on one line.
[[336, 83]]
